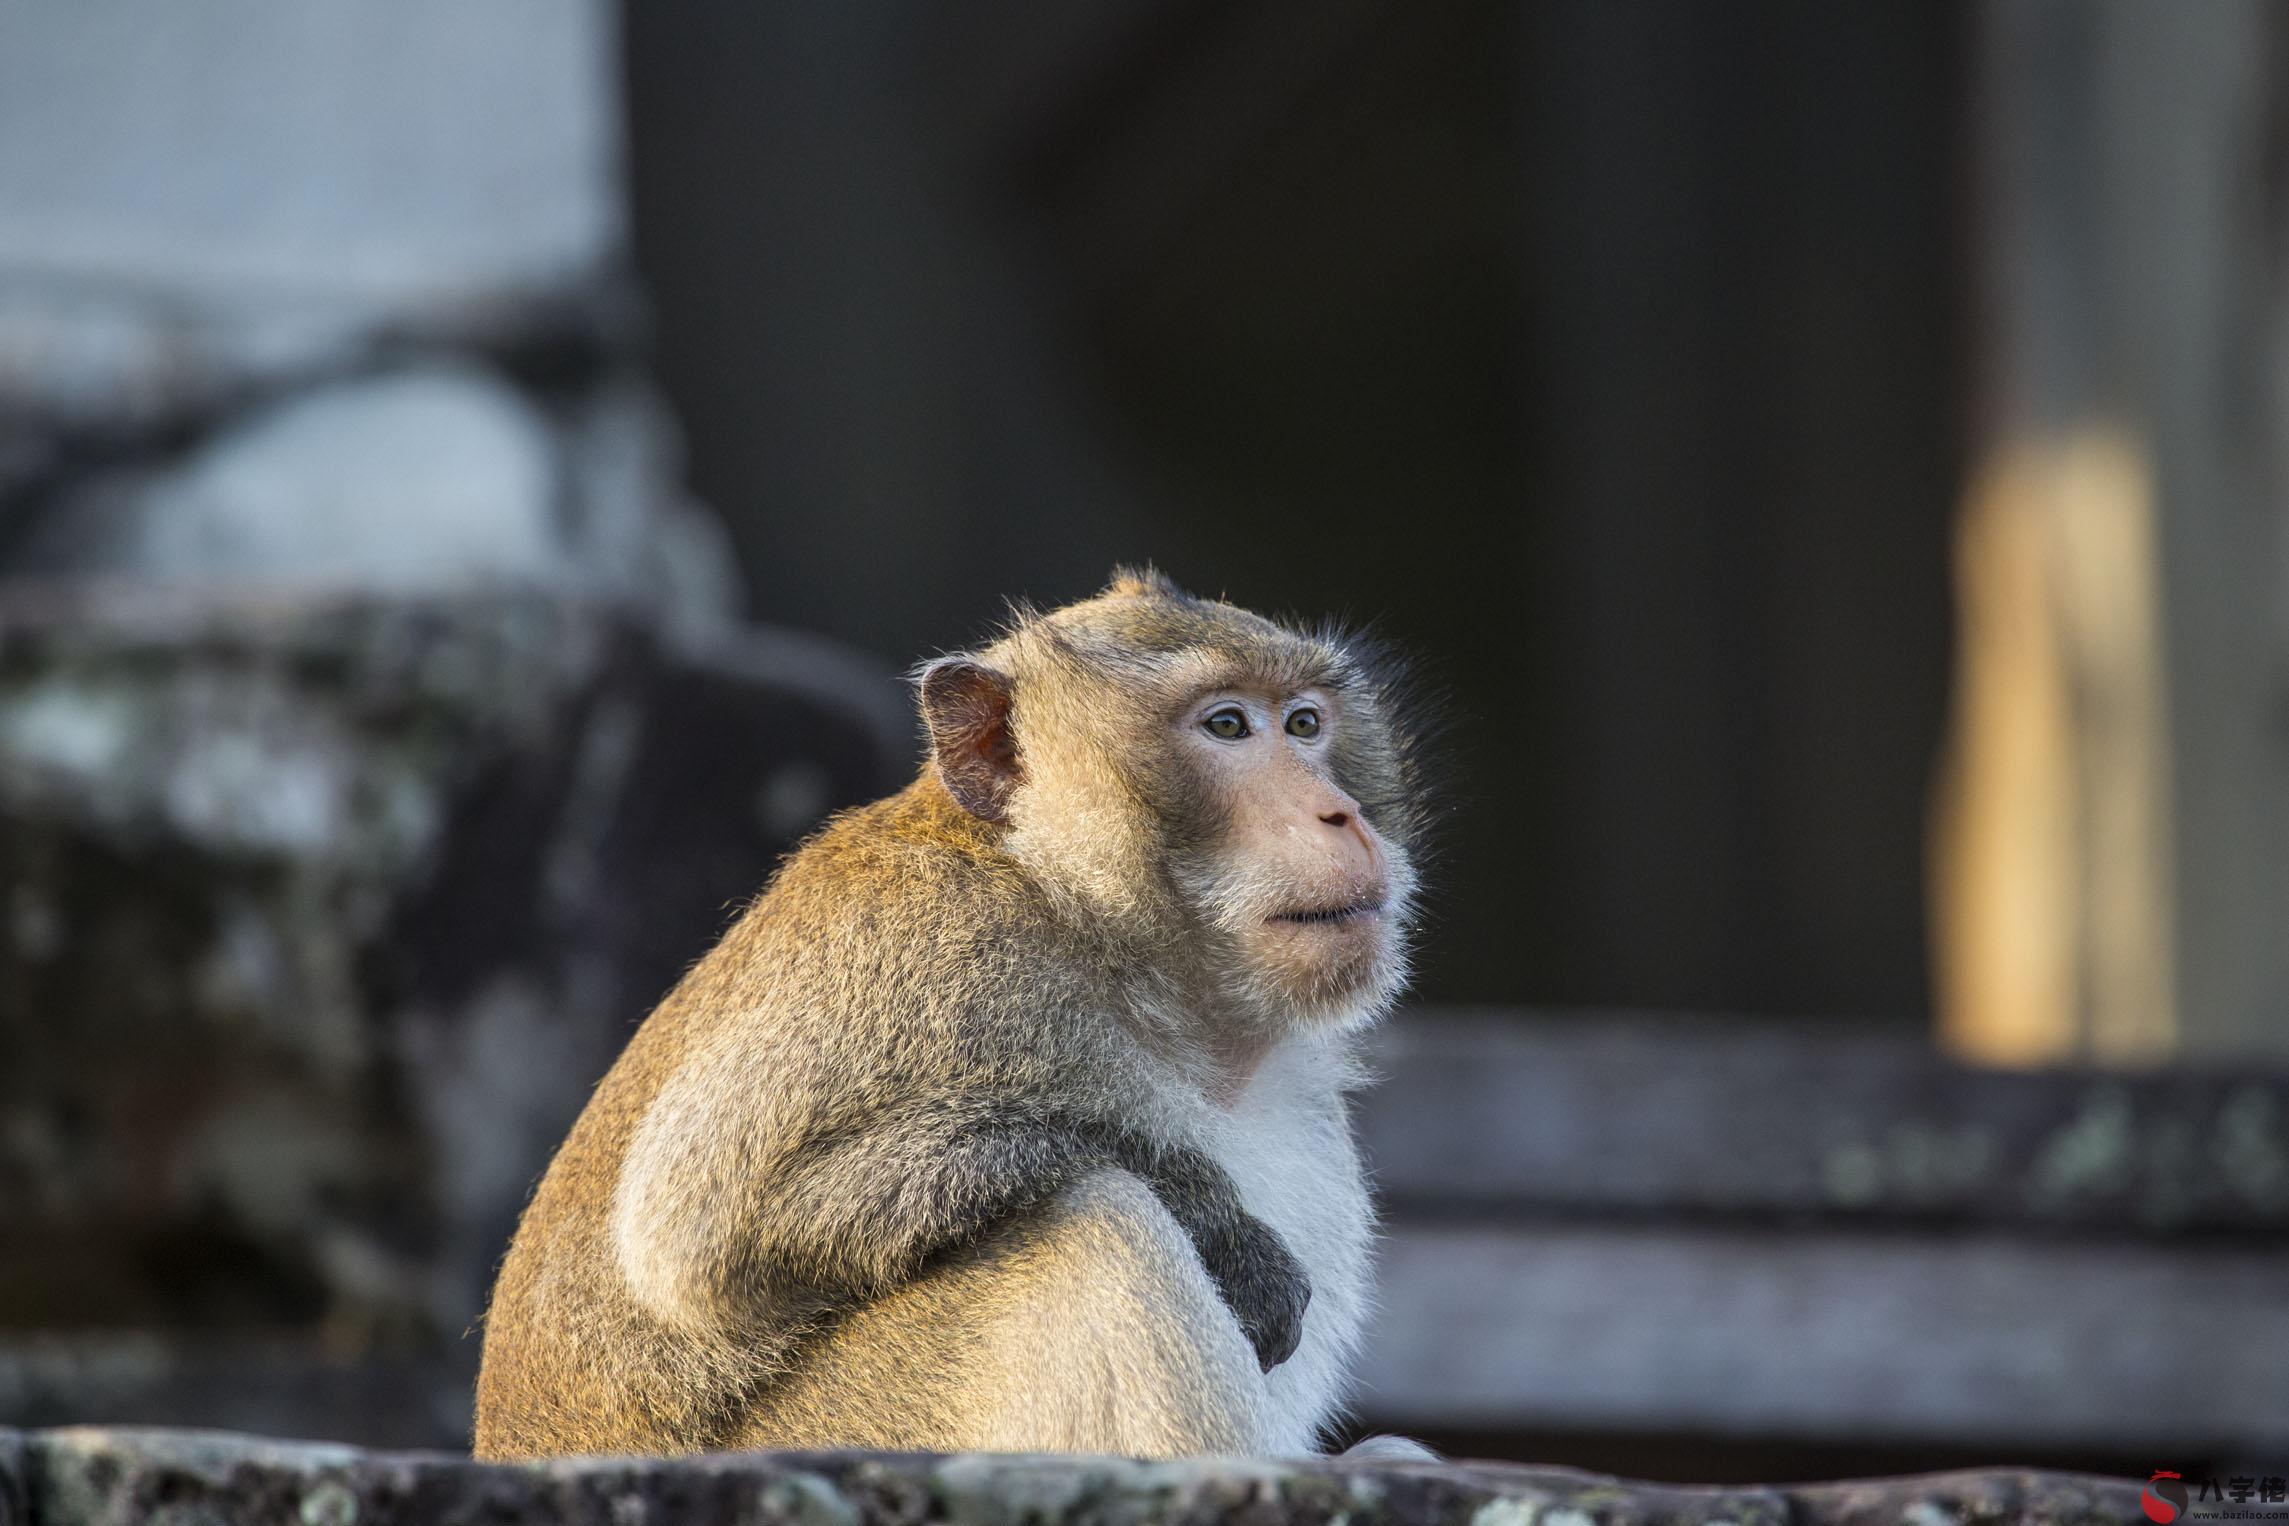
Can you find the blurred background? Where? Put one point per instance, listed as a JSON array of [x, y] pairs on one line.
[[469, 476]]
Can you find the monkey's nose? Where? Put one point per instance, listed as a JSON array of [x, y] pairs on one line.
[[1358, 842]]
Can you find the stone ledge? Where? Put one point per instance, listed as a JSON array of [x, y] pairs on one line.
[[1500, 1113], [82, 1477]]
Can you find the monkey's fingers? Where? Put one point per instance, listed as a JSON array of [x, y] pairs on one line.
[[1271, 1315], [1275, 1341]]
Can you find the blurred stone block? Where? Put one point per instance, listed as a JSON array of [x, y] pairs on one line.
[[318, 295], [1611, 1113], [310, 152], [198, 203], [410, 476], [1987, 1341], [1637, 1225], [411, 481], [376, 742], [318, 919], [267, 1386]]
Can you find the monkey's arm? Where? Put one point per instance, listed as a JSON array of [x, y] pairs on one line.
[[1265, 1287], [903, 1191], [850, 1213]]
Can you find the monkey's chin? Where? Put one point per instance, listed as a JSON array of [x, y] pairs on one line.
[[1331, 970]]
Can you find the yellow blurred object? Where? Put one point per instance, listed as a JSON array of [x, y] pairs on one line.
[[2051, 830]]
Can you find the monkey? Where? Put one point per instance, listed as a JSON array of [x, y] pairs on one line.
[[1011, 1116]]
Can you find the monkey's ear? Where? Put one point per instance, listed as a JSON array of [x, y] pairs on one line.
[[965, 705]]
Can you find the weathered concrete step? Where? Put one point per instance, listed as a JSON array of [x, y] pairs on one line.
[[1499, 1112], [2006, 1342], [90, 1477]]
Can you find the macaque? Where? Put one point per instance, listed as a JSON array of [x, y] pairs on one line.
[[1011, 1115]]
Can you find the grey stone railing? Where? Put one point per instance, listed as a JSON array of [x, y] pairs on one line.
[[202, 1478]]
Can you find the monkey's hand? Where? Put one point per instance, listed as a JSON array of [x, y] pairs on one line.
[[1265, 1287]]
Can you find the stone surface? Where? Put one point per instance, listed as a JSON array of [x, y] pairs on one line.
[[307, 296], [1842, 1237], [1986, 1343], [103, 368], [279, 154], [1617, 1113], [281, 1384], [628, 525], [434, 476], [120, 1478], [318, 919], [422, 480], [376, 743]]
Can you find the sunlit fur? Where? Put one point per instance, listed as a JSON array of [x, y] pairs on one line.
[[839, 1190]]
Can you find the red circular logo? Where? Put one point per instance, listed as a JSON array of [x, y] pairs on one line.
[[2165, 1498]]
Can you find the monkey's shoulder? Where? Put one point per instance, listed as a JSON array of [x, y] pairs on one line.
[[910, 868], [898, 911]]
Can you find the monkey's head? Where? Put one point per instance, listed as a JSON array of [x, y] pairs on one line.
[[1226, 797]]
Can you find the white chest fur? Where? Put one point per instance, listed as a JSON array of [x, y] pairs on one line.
[[1287, 1143]]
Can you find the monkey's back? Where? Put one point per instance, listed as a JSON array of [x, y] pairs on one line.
[[900, 896]]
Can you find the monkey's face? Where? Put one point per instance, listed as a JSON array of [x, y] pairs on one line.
[[1207, 785], [1313, 899]]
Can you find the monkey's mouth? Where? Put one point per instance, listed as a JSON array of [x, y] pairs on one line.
[[1330, 914]]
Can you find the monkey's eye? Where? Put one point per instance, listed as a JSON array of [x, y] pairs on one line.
[[1228, 723], [1304, 723]]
